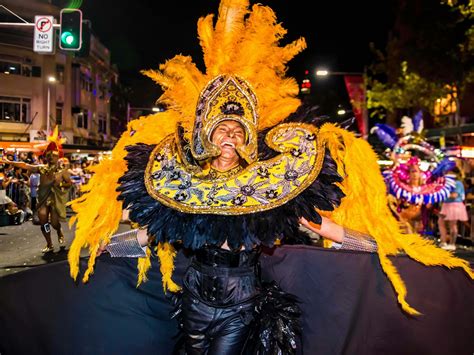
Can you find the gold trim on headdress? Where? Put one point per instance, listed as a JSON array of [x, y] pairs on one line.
[[226, 97], [261, 186]]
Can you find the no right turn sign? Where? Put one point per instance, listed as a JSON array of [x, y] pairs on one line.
[[43, 41]]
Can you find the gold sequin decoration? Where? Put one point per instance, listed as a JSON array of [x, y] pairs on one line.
[[261, 186]]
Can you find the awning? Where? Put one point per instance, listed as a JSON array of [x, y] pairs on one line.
[[21, 146]]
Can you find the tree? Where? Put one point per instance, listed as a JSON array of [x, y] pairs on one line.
[[430, 53]]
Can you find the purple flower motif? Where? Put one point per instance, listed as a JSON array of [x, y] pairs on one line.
[[239, 200], [181, 196], [247, 190], [271, 194], [296, 152], [263, 172]]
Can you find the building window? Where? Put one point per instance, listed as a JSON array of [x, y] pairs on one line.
[[26, 70], [60, 73], [82, 120], [59, 114], [36, 71], [86, 83], [15, 109], [102, 124], [14, 68]]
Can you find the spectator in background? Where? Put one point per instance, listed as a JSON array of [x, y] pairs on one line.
[[22, 156], [77, 177], [452, 211], [86, 173], [20, 192], [9, 211], [469, 189], [30, 158], [34, 185]]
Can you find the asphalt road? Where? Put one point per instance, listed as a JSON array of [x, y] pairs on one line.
[[20, 247]]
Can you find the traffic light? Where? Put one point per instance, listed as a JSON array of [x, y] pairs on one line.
[[70, 36]]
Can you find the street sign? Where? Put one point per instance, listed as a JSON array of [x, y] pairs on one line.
[[43, 40]]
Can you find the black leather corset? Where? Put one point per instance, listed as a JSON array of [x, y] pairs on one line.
[[222, 278]]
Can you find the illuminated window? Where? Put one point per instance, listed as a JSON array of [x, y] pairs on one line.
[[15, 109]]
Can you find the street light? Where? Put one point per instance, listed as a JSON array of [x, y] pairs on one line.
[[51, 80], [364, 113]]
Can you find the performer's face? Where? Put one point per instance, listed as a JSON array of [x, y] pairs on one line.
[[227, 136], [52, 158], [415, 174]]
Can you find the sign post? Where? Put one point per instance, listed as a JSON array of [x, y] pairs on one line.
[[43, 39]]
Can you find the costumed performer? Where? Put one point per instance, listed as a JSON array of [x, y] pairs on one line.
[[53, 190], [417, 180]]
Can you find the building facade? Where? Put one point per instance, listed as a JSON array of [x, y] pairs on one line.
[[74, 90]]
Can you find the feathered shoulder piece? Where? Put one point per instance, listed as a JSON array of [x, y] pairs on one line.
[[256, 205]]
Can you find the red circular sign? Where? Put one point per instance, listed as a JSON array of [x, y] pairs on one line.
[[44, 24]]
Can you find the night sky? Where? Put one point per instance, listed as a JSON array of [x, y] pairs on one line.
[[142, 34]]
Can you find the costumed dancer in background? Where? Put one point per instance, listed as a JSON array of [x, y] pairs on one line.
[[417, 180], [234, 164], [53, 189]]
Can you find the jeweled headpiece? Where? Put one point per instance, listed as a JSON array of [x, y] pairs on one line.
[[227, 97]]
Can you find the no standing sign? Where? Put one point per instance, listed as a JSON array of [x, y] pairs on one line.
[[43, 40]]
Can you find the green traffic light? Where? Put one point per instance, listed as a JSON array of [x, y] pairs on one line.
[[67, 38]]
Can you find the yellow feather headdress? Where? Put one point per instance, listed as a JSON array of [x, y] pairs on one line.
[[54, 143]]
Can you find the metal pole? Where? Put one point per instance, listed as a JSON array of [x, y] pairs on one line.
[[47, 109], [10, 11], [19, 24], [365, 111]]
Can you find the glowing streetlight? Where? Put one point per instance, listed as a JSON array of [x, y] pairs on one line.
[[51, 80], [322, 72], [341, 112]]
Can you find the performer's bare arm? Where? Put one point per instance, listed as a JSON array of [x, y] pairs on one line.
[[66, 179], [346, 238], [22, 165], [328, 229]]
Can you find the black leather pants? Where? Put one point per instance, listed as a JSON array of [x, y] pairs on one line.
[[219, 295]]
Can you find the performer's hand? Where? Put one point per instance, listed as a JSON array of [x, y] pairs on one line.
[[58, 179], [102, 248], [328, 229]]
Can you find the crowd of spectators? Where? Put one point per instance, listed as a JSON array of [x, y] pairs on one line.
[[19, 188]]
